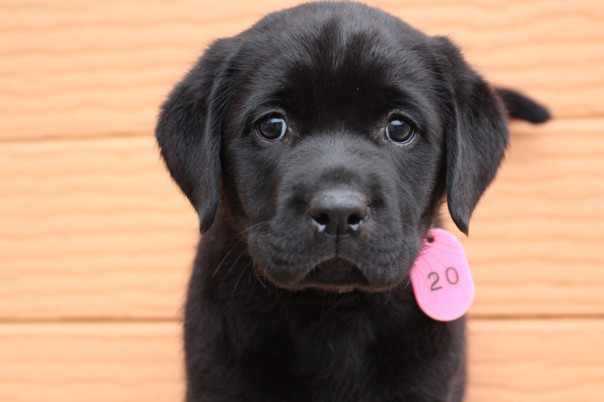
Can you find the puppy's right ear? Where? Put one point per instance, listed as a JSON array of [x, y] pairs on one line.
[[189, 129]]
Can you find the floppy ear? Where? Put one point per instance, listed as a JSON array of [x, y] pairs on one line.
[[476, 137], [189, 129]]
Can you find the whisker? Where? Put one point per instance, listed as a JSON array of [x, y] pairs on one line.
[[236, 244]]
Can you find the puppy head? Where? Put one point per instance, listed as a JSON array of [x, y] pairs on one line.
[[331, 133]]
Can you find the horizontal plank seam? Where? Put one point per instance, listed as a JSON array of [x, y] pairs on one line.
[[90, 320], [536, 316], [153, 320], [92, 137]]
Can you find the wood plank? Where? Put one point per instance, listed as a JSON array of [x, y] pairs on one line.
[[536, 360], [92, 229], [91, 362], [96, 229], [535, 237], [515, 360], [81, 69]]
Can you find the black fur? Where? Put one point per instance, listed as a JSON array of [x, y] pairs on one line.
[[521, 107], [279, 309]]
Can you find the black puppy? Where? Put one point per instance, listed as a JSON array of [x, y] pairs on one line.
[[317, 148]]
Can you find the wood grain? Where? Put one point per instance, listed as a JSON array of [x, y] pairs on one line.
[[535, 237], [96, 229], [91, 362], [515, 360], [92, 229], [536, 360], [81, 69]]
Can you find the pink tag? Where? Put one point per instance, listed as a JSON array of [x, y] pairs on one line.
[[441, 277]]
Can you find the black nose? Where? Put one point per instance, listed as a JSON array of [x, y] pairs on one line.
[[338, 211]]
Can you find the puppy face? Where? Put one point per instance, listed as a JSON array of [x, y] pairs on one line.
[[327, 135]]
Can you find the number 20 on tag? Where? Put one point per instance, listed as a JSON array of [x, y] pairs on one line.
[[441, 277]]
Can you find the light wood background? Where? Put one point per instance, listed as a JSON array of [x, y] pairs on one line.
[[96, 242]]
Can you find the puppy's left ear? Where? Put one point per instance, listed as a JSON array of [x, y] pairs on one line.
[[476, 133]]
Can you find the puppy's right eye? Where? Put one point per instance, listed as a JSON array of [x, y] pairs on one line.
[[272, 128], [399, 131]]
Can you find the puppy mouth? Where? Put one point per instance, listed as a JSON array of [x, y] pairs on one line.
[[351, 267], [335, 275]]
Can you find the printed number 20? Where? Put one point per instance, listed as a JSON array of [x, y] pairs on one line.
[[451, 275]]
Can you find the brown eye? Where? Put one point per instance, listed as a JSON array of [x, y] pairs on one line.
[[271, 128], [399, 131]]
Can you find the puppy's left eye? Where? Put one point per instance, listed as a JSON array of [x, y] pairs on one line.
[[399, 131], [271, 128]]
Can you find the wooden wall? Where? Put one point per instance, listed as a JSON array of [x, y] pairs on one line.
[[96, 242]]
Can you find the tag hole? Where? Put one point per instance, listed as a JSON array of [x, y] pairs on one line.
[[430, 238]]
